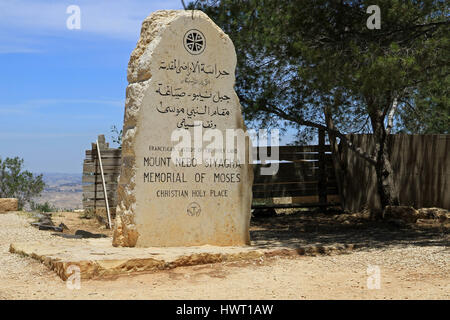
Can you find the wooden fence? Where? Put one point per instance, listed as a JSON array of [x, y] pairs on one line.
[[305, 178], [93, 196], [421, 166]]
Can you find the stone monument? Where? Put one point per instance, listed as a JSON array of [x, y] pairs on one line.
[[181, 81]]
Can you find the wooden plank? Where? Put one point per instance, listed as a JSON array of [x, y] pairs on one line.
[[298, 156], [92, 187], [291, 170], [286, 200], [292, 166], [294, 149], [283, 179], [106, 162], [328, 160], [290, 193], [290, 186], [108, 156], [98, 203], [110, 170], [97, 178], [290, 200], [106, 153], [91, 168], [314, 183], [103, 157], [281, 188], [294, 205], [307, 175], [99, 194], [297, 165]]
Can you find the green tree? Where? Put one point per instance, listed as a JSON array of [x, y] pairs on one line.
[[117, 136], [428, 112], [315, 63], [18, 183]]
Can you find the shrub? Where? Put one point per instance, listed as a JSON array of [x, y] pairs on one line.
[[42, 207], [18, 183]]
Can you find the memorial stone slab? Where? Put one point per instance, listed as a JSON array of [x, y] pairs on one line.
[[181, 79]]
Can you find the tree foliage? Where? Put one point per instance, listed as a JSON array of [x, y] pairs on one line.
[[18, 183], [117, 136], [301, 56], [428, 112]]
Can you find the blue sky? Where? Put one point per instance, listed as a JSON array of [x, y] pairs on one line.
[[60, 88]]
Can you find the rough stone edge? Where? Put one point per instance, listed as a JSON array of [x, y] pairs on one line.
[[91, 269], [138, 75], [152, 27]]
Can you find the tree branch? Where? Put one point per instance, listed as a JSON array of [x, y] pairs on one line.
[[391, 114], [334, 132]]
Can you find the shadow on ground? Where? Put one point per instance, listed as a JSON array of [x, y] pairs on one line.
[[303, 229]]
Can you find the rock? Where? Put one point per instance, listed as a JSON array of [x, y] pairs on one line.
[[366, 214], [44, 222], [181, 78], [8, 204], [87, 234], [67, 236], [264, 213], [46, 219], [433, 213], [52, 228], [63, 226], [444, 217], [404, 213]]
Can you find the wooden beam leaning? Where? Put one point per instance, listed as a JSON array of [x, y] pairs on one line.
[[104, 185]]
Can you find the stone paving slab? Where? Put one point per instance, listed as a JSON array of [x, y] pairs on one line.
[[97, 258]]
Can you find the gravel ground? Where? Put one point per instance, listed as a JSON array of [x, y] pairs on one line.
[[413, 264]]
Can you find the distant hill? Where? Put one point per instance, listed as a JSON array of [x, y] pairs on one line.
[[63, 190], [58, 179]]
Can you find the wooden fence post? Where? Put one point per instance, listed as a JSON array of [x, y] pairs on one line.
[[94, 156], [322, 183]]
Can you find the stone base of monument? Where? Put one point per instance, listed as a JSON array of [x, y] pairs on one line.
[[96, 258]]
